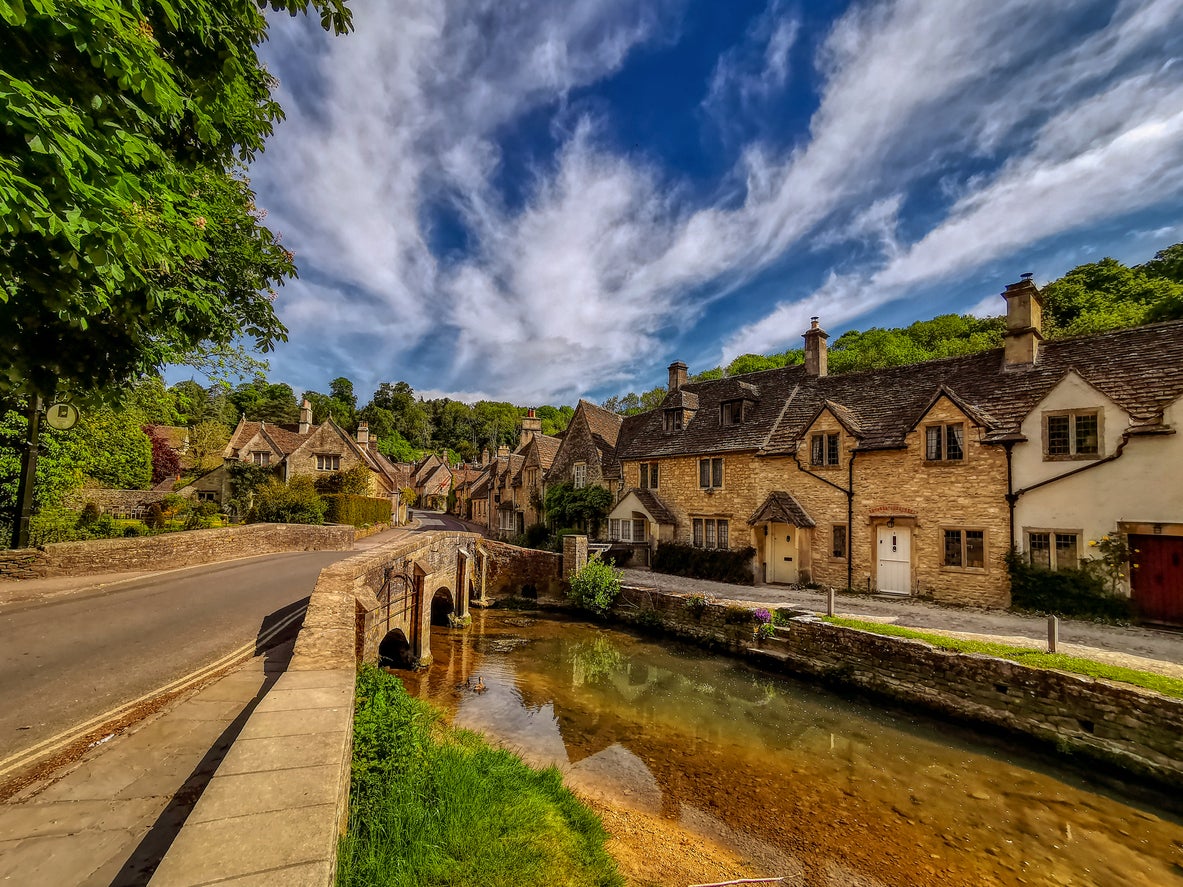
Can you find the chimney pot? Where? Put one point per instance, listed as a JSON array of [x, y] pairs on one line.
[[816, 360], [363, 432]]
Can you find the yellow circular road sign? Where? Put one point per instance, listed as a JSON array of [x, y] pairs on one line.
[[62, 416]]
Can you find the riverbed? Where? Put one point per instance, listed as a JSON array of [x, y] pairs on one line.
[[705, 769]]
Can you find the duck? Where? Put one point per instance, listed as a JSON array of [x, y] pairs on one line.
[[479, 687]]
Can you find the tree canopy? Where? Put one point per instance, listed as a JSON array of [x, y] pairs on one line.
[[129, 234]]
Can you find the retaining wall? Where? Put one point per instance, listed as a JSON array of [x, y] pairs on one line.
[[167, 551], [1137, 730]]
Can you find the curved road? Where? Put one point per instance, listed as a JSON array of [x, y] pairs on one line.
[[76, 656]]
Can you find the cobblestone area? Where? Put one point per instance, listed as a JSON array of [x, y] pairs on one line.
[[1133, 647]]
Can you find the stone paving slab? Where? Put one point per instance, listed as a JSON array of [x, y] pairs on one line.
[[100, 821]]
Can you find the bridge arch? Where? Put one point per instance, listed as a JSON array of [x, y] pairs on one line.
[[395, 650], [443, 606]]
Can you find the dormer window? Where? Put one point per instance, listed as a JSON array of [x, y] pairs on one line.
[[674, 420], [944, 443], [824, 450], [732, 412], [1074, 434], [261, 457]]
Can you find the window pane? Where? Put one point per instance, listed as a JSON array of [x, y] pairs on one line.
[[723, 530], [975, 548], [653, 476], [954, 444], [704, 472], [638, 531], [831, 449], [1067, 554], [698, 532], [626, 531], [1039, 550], [1057, 436], [644, 475], [710, 527], [932, 448], [952, 548], [717, 472], [818, 449], [1087, 438], [839, 549]]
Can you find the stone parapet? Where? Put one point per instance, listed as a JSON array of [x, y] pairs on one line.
[[22, 563]]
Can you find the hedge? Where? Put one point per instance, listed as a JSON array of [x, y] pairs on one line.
[[358, 511], [1080, 593], [719, 564]]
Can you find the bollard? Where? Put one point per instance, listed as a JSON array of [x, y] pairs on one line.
[[1053, 633], [830, 601]]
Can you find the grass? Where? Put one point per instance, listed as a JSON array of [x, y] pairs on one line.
[[1026, 656], [432, 805]]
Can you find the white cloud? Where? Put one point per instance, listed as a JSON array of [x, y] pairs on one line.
[[758, 69]]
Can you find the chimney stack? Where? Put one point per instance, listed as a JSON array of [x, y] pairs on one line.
[[1024, 324], [503, 452], [363, 433], [678, 375], [305, 416], [815, 349], [484, 456], [531, 425]]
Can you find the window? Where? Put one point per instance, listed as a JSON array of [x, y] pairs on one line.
[[944, 443], [1072, 435], [649, 475], [838, 549], [328, 462], [1052, 550], [710, 532], [673, 420], [731, 412], [824, 450], [965, 548], [580, 475], [710, 473], [261, 458], [207, 496]]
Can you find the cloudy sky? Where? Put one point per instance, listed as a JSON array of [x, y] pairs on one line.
[[535, 201]]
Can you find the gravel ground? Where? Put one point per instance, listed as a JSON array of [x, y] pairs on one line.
[[1142, 648]]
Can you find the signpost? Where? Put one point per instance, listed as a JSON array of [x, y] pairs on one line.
[[63, 416]]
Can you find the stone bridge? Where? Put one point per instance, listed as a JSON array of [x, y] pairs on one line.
[[382, 605]]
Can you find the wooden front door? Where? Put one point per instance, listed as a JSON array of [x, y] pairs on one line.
[[894, 556], [782, 553], [1156, 580]]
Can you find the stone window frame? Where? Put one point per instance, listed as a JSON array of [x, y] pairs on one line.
[[719, 529], [1073, 454], [825, 449], [943, 532], [579, 475], [1053, 545], [328, 461], [714, 471], [649, 476], [835, 554], [944, 429], [261, 458]]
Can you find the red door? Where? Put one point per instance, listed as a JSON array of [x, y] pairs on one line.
[[1157, 581]]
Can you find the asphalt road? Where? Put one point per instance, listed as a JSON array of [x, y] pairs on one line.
[[74, 657]]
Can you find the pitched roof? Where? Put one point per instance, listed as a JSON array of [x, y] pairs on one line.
[[657, 509], [1140, 369], [602, 423], [782, 508]]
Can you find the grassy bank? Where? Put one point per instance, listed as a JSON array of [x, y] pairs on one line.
[[1025, 656], [432, 805]]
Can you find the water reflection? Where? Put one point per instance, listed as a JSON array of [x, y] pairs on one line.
[[799, 782]]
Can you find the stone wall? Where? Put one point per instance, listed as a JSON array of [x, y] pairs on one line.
[[1137, 730], [23, 563], [122, 503], [189, 548], [515, 572]]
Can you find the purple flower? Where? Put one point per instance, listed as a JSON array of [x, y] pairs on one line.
[[762, 616]]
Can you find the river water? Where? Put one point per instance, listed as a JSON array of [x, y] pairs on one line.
[[708, 769]]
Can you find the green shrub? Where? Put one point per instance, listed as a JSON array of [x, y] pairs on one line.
[[357, 511], [595, 586], [135, 529], [696, 604], [295, 502], [1081, 593], [719, 564], [737, 615], [536, 536], [200, 515], [89, 514]]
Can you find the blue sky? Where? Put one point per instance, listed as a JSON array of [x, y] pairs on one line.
[[536, 201]]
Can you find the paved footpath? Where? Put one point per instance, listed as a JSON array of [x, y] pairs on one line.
[[1146, 649], [108, 818]]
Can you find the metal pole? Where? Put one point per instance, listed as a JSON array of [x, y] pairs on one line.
[[23, 513], [1053, 633]]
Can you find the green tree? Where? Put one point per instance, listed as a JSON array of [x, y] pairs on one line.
[[263, 401], [1105, 295], [59, 466], [113, 450], [207, 441], [128, 233]]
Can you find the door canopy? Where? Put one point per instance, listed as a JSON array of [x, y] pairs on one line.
[[781, 508]]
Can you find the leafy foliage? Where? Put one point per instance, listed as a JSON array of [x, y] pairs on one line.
[[353, 481], [295, 502], [583, 508], [1080, 593], [719, 564], [357, 511], [128, 234], [595, 586], [165, 461]]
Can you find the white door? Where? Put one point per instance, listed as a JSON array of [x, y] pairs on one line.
[[895, 559], [782, 555]]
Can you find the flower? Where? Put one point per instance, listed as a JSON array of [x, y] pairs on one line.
[[762, 616]]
